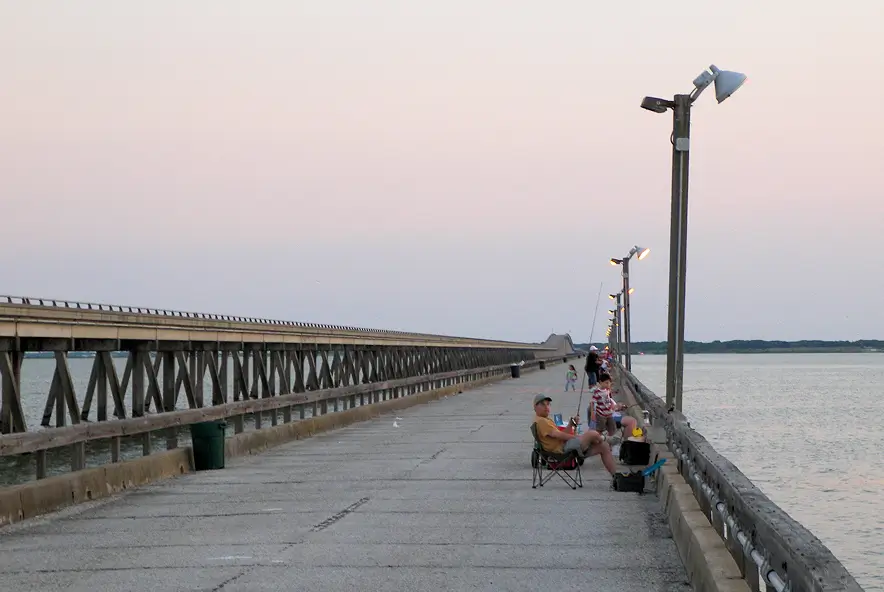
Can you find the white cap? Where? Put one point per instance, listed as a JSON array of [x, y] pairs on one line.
[[593, 348]]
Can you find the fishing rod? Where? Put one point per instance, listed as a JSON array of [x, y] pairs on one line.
[[591, 334]]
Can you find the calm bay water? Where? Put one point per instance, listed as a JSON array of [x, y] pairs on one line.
[[807, 429]]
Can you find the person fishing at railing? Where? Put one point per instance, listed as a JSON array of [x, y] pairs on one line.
[[593, 365]]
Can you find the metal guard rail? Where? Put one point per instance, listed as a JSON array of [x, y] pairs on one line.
[[756, 531], [71, 304]]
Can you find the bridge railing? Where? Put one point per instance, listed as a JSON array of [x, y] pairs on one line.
[[54, 303], [50, 303], [772, 550]]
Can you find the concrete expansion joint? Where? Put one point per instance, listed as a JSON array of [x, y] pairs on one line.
[[233, 579], [332, 519]]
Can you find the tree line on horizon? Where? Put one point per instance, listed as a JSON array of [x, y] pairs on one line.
[[742, 346]]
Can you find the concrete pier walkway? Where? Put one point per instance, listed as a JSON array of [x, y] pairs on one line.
[[441, 502]]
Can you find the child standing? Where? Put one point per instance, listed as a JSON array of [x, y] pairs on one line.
[[571, 378]]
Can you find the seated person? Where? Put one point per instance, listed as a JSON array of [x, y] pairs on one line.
[[605, 406], [558, 442]]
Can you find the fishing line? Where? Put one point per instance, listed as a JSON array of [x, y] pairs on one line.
[[591, 334]]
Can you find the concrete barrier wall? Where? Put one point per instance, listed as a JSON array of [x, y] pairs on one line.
[[709, 565], [20, 502]]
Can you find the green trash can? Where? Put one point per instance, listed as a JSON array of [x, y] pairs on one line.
[[208, 445]]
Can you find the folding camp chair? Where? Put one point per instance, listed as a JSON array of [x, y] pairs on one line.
[[555, 464]]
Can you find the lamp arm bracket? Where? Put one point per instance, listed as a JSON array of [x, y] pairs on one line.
[[702, 82]]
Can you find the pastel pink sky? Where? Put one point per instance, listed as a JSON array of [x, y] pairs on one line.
[[460, 167]]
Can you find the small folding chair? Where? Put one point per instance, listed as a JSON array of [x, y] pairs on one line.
[[555, 464]]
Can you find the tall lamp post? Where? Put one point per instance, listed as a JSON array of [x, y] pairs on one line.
[[615, 328], [612, 333], [627, 322], [726, 84], [617, 336]]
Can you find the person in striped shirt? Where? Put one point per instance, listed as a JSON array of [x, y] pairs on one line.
[[605, 406]]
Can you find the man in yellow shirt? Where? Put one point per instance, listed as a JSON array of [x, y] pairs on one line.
[[556, 441]]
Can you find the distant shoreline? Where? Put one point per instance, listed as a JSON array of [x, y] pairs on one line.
[[72, 354], [658, 348], [651, 348], [773, 351]]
